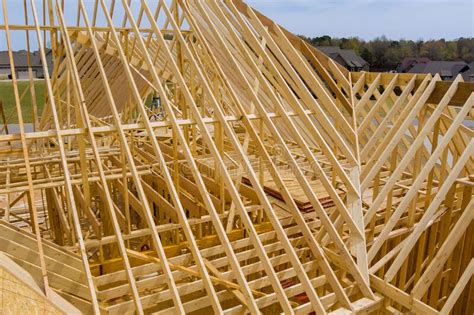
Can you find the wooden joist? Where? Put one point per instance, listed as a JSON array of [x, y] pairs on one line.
[[195, 156]]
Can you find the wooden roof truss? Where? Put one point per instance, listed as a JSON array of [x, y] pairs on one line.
[[263, 177]]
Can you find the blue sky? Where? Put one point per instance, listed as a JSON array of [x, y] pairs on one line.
[[367, 19], [409, 19]]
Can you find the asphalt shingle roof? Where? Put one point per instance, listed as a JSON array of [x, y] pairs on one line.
[[348, 55], [444, 68], [20, 59]]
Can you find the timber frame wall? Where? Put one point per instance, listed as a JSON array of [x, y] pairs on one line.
[[263, 178]]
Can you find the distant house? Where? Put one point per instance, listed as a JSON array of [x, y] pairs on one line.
[[20, 59], [468, 75], [408, 63], [345, 57], [448, 70]]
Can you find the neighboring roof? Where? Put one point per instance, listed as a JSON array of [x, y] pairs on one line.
[[407, 63], [19, 57], [418, 68], [21, 60], [329, 49], [348, 55], [468, 75], [444, 68]]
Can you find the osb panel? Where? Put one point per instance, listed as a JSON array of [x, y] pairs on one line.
[[17, 298]]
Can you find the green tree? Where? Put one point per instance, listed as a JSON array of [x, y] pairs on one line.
[[384, 54]]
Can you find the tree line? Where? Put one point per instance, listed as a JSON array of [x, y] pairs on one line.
[[384, 54]]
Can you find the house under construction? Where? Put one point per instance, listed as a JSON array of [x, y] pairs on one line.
[[193, 156]]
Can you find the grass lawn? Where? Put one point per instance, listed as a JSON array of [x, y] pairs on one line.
[[8, 99]]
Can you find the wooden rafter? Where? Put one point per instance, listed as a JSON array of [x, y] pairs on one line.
[[195, 156]]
